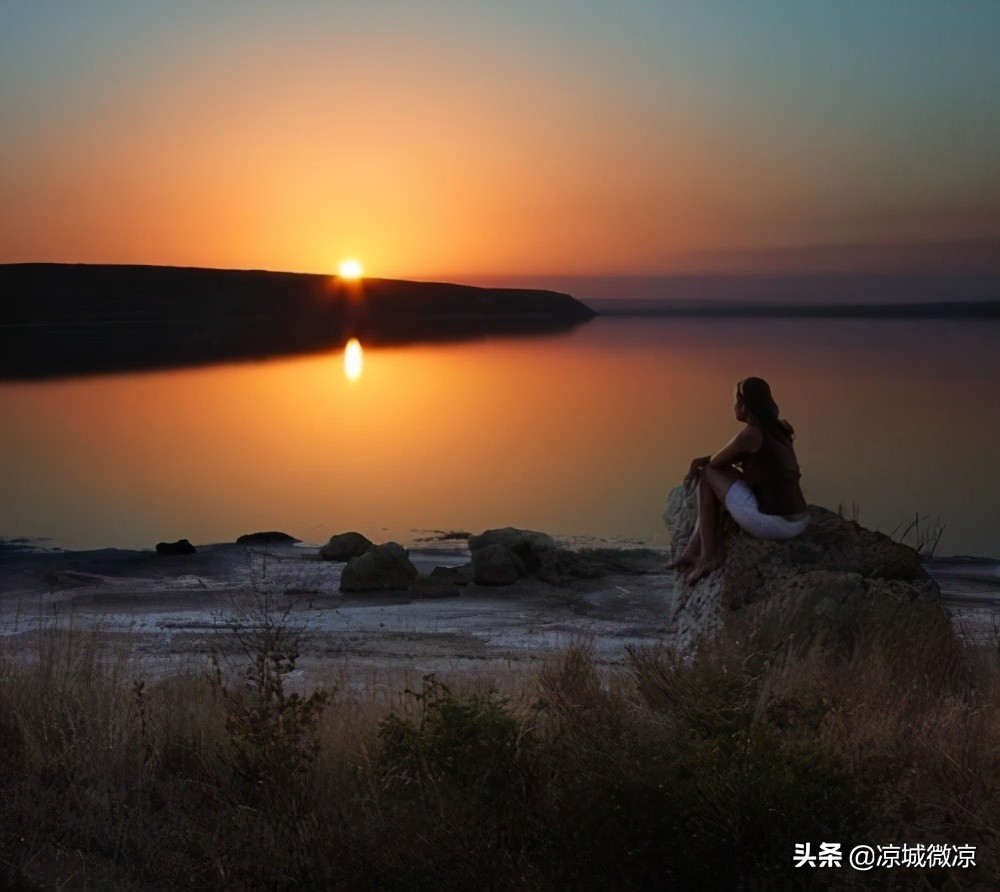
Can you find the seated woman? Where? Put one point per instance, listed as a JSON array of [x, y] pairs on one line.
[[755, 477]]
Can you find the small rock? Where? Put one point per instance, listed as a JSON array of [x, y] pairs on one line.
[[433, 587], [396, 549], [557, 566], [269, 538], [457, 575], [181, 546], [382, 568], [513, 539], [530, 553], [345, 546], [495, 565]]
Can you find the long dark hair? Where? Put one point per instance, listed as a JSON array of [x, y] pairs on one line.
[[755, 394]]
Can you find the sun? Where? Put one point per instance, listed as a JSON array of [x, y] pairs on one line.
[[350, 269]]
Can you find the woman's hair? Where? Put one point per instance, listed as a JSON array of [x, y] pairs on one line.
[[755, 394]]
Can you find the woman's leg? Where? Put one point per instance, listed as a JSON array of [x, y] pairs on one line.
[[692, 551], [689, 557], [712, 489]]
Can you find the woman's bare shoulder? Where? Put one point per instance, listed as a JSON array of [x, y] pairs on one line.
[[751, 437]]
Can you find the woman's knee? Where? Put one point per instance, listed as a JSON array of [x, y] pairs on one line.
[[720, 479]]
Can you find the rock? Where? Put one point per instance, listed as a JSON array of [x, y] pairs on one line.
[[181, 546], [497, 554], [381, 568], [823, 585], [396, 549], [495, 565], [513, 539], [558, 566], [433, 587], [625, 561], [455, 575], [345, 546], [269, 538]]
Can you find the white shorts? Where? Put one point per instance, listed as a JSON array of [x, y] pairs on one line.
[[742, 504]]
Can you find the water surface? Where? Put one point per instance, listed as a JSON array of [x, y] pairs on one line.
[[580, 434]]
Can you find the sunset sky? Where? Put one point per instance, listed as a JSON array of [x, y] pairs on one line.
[[454, 139]]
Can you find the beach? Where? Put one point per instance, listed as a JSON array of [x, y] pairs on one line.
[[170, 611]]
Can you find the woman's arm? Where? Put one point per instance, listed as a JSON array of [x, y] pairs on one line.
[[746, 441]]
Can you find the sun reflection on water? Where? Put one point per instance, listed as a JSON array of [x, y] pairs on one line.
[[353, 359]]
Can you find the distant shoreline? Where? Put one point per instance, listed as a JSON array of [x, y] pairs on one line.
[[937, 310]]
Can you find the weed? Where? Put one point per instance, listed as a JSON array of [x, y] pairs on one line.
[[923, 537]]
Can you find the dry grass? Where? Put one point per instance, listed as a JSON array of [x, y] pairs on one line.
[[669, 773]]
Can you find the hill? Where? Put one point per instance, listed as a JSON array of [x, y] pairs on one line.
[[68, 319]]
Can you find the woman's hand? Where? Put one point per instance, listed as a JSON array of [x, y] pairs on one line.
[[697, 468]]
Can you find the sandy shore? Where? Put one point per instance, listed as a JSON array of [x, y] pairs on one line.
[[171, 610]]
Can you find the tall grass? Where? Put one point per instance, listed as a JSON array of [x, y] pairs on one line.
[[662, 774]]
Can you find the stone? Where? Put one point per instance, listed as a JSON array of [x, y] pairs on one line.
[[559, 566], [530, 553], [181, 546], [433, 587], [513, 539], [381, 568], [396, 549], [455, 575], [271, 537], [818, 586], [493, 564], [345, 546]]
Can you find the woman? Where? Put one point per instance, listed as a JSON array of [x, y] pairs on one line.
[[755, 476]]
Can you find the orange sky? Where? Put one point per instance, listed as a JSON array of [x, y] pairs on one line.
[[501, 143]]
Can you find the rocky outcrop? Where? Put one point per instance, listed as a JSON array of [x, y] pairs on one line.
[[502, 556], [382, 568], [824, 585], [181, 546], [271, 537], [345, 546]]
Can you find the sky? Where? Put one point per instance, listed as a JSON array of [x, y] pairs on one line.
[[451, 139]]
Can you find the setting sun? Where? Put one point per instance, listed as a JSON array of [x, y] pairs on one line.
[[353, 359], [350, 269]]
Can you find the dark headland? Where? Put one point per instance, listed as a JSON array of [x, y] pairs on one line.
[[73, 319]]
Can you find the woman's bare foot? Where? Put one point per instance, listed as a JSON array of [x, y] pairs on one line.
[[688, 557], [702, 569], [684, 562]]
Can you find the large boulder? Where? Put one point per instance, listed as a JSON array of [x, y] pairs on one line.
[[502, 556], [345, 546], [382, 568], [826, 585]]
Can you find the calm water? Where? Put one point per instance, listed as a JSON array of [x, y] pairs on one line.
[[578, 435]]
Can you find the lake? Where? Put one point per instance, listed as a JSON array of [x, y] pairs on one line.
[[581, 434]]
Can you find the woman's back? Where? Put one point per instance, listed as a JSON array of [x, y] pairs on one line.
[[773, 474]]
